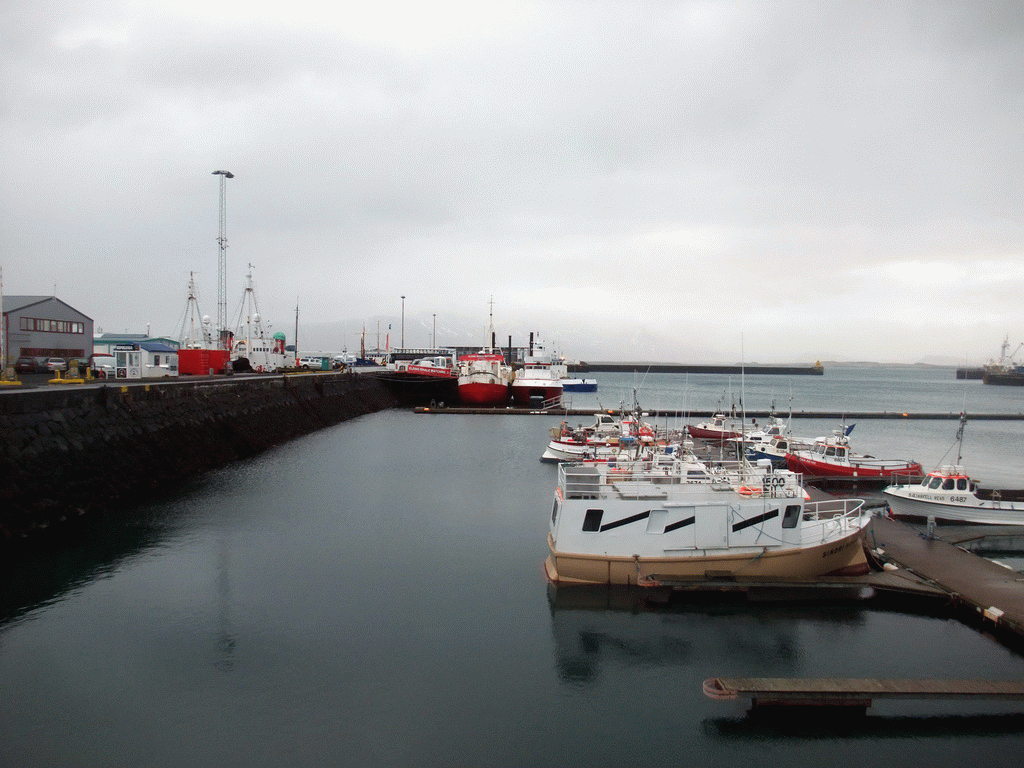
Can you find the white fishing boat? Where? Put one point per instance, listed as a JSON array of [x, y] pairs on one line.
[[253, 347], [950, 495], [539, 381], [675, 518], [776, 448]]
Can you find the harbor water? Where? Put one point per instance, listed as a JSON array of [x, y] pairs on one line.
[[373, 595]]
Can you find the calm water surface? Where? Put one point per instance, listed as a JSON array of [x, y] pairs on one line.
[[373, 595]]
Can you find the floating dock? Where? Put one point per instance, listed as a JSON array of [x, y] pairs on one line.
[[853, 692], [990, 594]]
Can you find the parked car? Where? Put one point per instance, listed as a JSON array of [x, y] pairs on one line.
[[27, 365], [56, 364], [312, 363]]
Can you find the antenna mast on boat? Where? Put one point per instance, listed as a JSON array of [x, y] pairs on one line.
[[193, 338], [490, 326]]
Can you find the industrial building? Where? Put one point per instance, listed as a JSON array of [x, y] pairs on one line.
[[42, 327]]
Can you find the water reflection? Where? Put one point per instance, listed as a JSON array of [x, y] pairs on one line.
[[824, 726], [615, 626]]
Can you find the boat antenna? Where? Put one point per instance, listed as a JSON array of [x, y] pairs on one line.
[[960, 437]]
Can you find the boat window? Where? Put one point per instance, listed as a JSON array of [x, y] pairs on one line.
[[792, 516], [830, 451], [656, 521], [592, 521], [961, 483], [935, 483], [947, 484], [554, 512], [841, 452]]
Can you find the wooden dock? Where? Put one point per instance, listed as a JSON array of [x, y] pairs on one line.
[[853, 692], [990, 593]]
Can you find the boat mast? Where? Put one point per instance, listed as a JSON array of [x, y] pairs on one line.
[[960, 437], [490, 326], [191, 338]]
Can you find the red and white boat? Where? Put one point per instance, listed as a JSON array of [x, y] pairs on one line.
[[540, 380], [484, 379], [719, 429], [832, 457]]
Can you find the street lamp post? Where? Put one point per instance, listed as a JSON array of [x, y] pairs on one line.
[[222, 262], [403, 322]]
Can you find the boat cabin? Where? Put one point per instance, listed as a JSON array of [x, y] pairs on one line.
[[948, 479]]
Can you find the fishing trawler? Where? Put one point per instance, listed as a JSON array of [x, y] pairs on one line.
[[676, 518], [253, 347]]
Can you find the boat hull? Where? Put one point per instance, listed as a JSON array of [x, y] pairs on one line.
[[840, 557], [484, 394], [809, 466], [579, 385], [527, 392]]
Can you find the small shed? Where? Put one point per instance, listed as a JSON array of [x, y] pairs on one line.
[[145, 360]]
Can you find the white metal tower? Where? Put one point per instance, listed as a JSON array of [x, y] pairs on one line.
[[222, 264]]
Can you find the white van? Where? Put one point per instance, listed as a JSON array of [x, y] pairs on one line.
[[312, 363], [101, 365]]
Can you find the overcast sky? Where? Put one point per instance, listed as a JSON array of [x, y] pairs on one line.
[[661, 181]]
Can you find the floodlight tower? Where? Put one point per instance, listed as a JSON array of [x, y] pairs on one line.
[[222, 263]]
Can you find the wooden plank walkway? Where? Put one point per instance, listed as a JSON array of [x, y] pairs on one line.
[[995, 592], [853, 692]]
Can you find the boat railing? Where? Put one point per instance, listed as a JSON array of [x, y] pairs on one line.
[[823, 520], [665, 476]]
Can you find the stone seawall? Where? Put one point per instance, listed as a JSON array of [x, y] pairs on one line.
[[70, 452]]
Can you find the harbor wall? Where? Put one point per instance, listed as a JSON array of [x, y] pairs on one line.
[[68, 453]]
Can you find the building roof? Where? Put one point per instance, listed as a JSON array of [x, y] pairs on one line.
[[156, 346], [14, 303]]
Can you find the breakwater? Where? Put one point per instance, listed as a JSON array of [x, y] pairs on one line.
[[68, 453], [777, 370]]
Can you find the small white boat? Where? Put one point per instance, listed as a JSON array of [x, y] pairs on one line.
[[775, 449], [674, 518], [949, 495], [607, 432]]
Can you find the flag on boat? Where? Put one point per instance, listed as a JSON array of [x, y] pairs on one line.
[[849, 429]]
